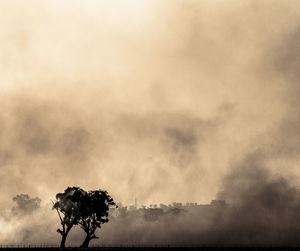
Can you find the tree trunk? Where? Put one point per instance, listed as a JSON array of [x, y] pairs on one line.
[[64, 238], [63, 241], [86, 242]]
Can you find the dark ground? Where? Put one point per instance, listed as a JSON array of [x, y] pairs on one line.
[[149, 248]]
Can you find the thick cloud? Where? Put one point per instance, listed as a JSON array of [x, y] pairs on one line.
[[163, 102]]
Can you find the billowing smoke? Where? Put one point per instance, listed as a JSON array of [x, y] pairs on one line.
[[180, 101]]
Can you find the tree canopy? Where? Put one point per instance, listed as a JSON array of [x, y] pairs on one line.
[[25, 204], [94, 212], [67, 206], [90, 209]]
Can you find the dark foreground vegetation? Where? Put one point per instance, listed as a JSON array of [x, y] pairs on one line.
[[89, 210]]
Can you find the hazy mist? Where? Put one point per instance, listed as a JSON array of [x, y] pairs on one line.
[[158, 101]]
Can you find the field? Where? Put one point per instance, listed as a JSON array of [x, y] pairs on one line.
[[149, 248]]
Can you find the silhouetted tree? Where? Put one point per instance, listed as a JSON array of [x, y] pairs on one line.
[[67, 206], [94, 209], [25, 204]]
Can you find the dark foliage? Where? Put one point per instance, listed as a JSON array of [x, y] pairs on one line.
[[67, 206], [94, 209], [88, 209]]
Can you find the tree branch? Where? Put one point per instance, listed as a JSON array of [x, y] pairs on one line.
[[94, 237], [59, 231], [61, 220]]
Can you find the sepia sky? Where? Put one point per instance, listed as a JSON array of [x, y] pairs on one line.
[[153, 100]]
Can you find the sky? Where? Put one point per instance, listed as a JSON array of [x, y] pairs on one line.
[[158, 101]]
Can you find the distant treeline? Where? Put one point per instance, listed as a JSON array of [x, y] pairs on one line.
[[153, 212]]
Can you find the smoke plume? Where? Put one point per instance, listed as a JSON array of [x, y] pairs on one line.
[[162, 102]]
